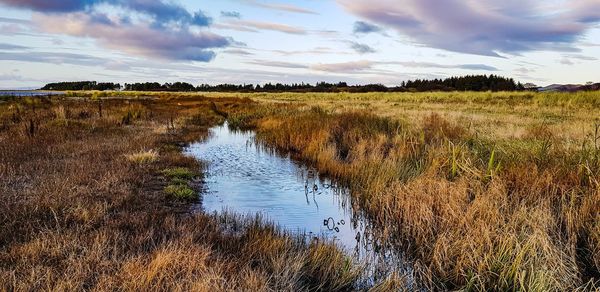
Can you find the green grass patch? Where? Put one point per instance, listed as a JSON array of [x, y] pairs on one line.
[[179, 183], [179, 173], [180, 191]]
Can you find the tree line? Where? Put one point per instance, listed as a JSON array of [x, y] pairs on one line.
[[82, 85], [464, 83]]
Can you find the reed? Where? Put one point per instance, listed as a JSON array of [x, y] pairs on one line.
[[483, 191], [476, 213], [82, 208], [143, 156]]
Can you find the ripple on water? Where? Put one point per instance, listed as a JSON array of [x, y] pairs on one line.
[[247, 179]]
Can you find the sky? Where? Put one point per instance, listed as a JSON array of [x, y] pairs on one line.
[[292, 41]]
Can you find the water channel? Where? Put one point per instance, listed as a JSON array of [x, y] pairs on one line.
[[244, 177]]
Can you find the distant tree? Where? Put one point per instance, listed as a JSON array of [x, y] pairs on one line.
[[464, 83], [81, 85]]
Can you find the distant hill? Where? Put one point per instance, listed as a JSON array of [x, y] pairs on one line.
[[570, 87]]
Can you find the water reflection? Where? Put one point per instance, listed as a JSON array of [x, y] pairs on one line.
[[244, 177]]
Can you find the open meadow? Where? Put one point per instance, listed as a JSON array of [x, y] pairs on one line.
[[480, 191]]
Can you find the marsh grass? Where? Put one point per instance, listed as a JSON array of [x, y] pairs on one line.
[[182, 191], [484, 191], [76, 215], [476, 213], [179, 173], [180, 184], [143, 156]]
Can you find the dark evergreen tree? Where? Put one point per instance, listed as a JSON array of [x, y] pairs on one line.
[[465, 83]]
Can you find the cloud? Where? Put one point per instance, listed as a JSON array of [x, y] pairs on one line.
[[364, 27], [11, 47], [161, 11], [326, 33], [232, 14], [52, 58], [484, 27], [164, 12], [479, 67], [149, 70], [568, 59], [11, 29], [152, 28], [280, 7], [14, 20], [588, 44], [345, 67], [363, 65], [201, 19], [12, 26], [567, 62], [51, 6], [362, 48], [233, 26], [367, 66], [581, 57], [412, 64], [524, 71], [238, 52], [10, 79], [315, 51], [277, 64], [136, 39], [256, 26]]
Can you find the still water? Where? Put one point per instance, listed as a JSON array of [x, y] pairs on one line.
[[244, 177], [24, 93]]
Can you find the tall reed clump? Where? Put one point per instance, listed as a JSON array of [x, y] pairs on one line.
[[475, 213]]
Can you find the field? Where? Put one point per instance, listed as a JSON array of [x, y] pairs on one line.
[[483, 191]]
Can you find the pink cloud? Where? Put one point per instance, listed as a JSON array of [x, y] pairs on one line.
[[137, 39], [484, 27]]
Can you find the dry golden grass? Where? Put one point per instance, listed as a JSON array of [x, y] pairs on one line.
[[476, 212], [77, 214], [143, 156], [484, 191]]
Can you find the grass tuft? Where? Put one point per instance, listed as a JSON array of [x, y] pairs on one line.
[[143, 156], [181, 191], [179, 173]]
